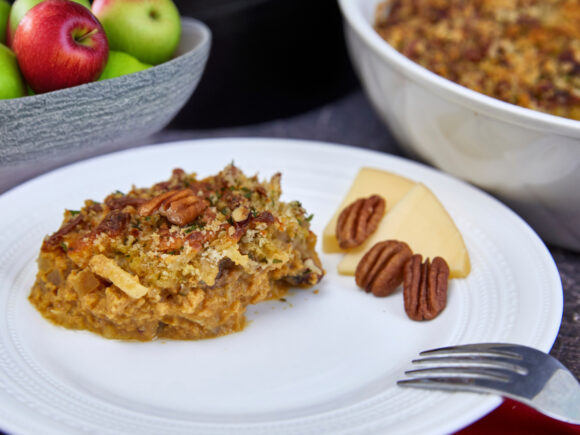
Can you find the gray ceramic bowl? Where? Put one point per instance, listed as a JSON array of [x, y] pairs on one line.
[[123, 109]]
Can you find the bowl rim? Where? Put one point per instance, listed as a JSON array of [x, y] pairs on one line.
[[447, 89], [200, 27], [192, 24]]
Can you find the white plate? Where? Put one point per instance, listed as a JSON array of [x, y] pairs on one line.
[[322, 362]]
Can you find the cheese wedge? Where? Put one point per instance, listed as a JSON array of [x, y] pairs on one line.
[[369, 181], [108, 269], [420, 220]]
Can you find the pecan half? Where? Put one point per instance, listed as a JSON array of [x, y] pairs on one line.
[[120, 203], [425, 287], [359, 220], [180, 207], [55, 240], [380, 271], [114, 223]]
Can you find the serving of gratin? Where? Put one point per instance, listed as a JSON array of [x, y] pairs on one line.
[[181, 259]]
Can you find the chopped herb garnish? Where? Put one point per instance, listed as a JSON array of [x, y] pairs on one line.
[[64, 246], [309, 218], [193, 227], [74, 212], [247, 192], [118, 192], [213, 199], [276, 260]]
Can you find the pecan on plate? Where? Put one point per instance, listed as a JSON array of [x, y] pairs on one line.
[[425, 287], [180, 207], [359, 220], [380, 271]]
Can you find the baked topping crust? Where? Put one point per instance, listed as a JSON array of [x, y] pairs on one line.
[[525, 52]]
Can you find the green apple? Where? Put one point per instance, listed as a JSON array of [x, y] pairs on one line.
[[11, 83], [4, 14], [120, 64], [146, 29], [20, 8]]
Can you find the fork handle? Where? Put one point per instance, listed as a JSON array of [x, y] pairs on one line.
[[560, 397]]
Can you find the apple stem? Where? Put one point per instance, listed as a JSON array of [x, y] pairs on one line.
[[153, 14], [86, 35]]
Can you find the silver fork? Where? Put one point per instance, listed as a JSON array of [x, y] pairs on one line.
[[511, 370]]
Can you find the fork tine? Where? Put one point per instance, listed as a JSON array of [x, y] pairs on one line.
[[476, 384], [436, 372], [473, 361], [490, 349]]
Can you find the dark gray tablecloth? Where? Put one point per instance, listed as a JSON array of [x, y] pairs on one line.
[[349, 120]]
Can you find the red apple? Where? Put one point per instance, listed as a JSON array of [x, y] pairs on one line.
[[60, 44]]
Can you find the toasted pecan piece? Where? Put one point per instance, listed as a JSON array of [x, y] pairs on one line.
[[180, 207], [119, 203], [56, 239], [359, 220], [114, 223], [425, 287], [380, 271]]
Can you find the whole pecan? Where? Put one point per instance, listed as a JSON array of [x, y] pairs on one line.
[[359, 220], [380, 271], [180, 207], [425, 287]]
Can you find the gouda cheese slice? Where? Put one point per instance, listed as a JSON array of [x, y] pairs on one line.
[[420, 220], [369, 181]]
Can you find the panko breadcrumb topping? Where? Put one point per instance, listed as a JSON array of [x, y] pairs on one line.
[[525, 52]]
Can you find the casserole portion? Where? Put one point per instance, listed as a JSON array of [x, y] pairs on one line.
[[181, 259]]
